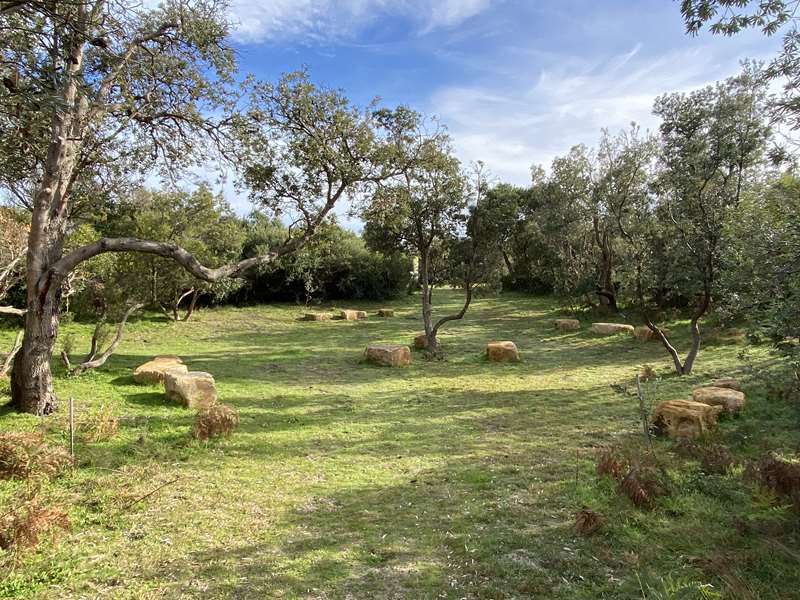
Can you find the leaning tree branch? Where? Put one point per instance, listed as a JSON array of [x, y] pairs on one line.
[[10, 310], [9, 359], [93, 362], [184, 258]]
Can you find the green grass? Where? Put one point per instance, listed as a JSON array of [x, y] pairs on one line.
[[445, 479]]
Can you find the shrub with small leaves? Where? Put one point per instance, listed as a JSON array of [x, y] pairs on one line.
[[216, 420]]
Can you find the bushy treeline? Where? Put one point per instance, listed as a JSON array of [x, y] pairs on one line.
[[700, 213], [337, 266]]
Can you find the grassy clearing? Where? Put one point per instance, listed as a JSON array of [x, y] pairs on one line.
[[447, 479]]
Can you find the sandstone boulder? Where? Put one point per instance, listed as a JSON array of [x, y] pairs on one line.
[[731, 400], [353, 315], [153, 370], [685, 418], [611, 328], [644, 334], [388, 355], [195, 389], [567, 324], [386, 312], [421, 341], [316, 317], [730, 383], [502, 352]]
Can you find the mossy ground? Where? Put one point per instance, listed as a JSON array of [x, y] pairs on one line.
[[445, 479]]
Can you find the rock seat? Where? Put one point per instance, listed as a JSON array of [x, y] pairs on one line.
[[727, 382], [731, 400], [195, 389], [153, 370], [685, 418], [352, 315], [388, 355], [316, 317], [502, 352], [567, 324], [611, 328], [420, 341]]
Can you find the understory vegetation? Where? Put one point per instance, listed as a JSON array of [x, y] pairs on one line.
[[457, 478]]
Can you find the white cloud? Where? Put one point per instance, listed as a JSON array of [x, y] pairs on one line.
[[331, 20], [532, 117]]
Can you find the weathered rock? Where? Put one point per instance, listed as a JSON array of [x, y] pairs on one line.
[[685, 418], [388, 355], [316, 317], [731, 400], [644, 334], [353, 315], [727, 382], [502, 352], [421, 341], [567, 324], [153, 370], [611, 328], [385, 312], [195, 389]]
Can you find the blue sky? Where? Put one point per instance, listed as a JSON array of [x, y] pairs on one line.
[[516, 82]]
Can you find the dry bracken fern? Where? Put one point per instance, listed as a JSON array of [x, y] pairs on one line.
[[215, 421]]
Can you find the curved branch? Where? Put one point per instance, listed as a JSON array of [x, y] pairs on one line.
[[9, 359], [100, 360], [183, 257]]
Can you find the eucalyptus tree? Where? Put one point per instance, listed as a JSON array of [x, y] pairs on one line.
[[426, 211], [711, 142], [771, 17], [94, 89]]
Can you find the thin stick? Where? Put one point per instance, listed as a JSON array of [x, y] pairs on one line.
[[71, 428], [148, 494], [643, 412]]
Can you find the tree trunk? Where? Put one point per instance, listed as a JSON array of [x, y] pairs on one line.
[[192, 305], [31, 380], [427, 297]]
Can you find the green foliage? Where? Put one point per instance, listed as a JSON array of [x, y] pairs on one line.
[[199, 222], [337, 265], [761, 281]]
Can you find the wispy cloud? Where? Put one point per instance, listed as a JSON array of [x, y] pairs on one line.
[[337, 20], [514, 124]]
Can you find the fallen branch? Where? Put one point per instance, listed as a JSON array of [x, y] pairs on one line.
[[9, 359], [148, 494], [91, 362]]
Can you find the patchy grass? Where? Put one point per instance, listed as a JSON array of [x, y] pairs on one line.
[[445, 479]]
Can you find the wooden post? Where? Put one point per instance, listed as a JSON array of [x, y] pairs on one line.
[[71, 428], [643, 412]]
